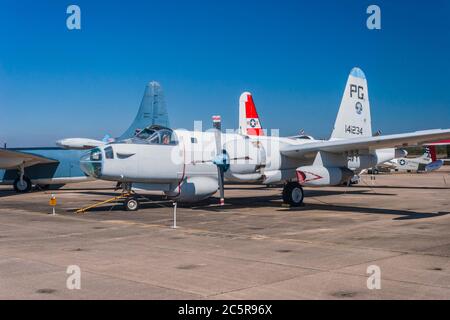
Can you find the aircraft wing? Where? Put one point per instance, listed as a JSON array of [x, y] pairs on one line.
[[387, 165], [366, 143], [10, 159]]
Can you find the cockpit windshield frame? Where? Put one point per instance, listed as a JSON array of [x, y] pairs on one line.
[[156, 135]]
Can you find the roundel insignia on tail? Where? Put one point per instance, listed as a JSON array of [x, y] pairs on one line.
[[353, 118], [359, 107]]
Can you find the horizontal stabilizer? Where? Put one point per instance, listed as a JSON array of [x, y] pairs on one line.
[[435, 165]]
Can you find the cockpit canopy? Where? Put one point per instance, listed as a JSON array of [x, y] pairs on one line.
[[156, 135]]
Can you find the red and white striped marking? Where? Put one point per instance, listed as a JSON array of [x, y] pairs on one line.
[[252, 123]]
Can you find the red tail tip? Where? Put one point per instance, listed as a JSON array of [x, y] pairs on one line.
[[433, 153]]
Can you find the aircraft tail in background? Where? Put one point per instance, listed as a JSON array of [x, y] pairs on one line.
[[152, 111], [249, 123], [431, 156], [430, 153], [353, 119]]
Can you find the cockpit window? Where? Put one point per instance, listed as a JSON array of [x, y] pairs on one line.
[[109, 153], [157, 135], [145, 134], [96, 155]]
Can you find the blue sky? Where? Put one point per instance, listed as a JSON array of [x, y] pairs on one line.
[[294, 56]]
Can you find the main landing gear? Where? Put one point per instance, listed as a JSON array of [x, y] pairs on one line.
[[22, 184], [293, 194]]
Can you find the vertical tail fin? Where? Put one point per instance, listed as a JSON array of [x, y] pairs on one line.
[[353, 119], [151, 111], [249, 123], [430, 153]]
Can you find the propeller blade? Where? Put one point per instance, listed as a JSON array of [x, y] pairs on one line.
[[220, 175], [217, 124]]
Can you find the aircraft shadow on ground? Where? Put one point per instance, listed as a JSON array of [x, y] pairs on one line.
[[403, 187], [273, 201], [11, 193], [211, 203], [8, 193], [403, 214]]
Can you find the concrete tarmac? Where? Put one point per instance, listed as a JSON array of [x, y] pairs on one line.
[[252, 248]]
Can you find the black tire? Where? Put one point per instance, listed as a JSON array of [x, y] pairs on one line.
[[22, 188], [293, 194], [131, 204]]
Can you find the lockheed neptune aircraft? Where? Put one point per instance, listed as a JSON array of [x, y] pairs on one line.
[[56, 166], [190, 166]]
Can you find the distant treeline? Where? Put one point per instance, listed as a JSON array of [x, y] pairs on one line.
[[442, 151]]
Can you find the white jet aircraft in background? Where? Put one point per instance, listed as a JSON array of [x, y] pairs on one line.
[[190, 166], [425, 163]]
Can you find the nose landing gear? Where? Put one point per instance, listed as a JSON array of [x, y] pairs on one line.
[[129, 199], [293, 194], [131, 204]]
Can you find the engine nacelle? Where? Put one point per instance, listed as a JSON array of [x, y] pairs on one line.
[[384, 155], [366, 161], [323, 176], [362, 161], [194, 189], [246, 156]]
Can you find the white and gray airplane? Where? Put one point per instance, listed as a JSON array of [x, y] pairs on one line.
[[425, 163], [190, 166]]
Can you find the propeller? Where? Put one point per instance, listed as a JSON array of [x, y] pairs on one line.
[[221, 160]]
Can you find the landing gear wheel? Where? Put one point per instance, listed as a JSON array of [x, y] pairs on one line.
[[293, 194], [131, 204], [22, 186]]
